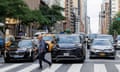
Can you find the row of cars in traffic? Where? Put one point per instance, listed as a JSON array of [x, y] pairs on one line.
[[62, 47]]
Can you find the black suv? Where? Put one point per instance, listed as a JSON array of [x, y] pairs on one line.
[[68, 47]]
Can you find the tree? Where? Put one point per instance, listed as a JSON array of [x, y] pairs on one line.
[[51, 14], [14, 9], [115, 26]]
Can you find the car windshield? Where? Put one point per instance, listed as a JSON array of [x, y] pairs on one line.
[[25, 44], [69, 39], [92, 36], [106, 37], [47, 38], [102, 42]]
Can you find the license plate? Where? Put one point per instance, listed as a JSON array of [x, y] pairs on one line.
[[102, 54], [66, 54], [17, 56]]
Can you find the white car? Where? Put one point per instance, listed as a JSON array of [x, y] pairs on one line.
[[102, 48]]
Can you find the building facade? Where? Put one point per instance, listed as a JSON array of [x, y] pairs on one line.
[[104, 17], [114, 7], [76, 14]]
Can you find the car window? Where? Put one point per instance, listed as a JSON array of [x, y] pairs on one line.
[[69, 39], [102, 42], [106, 37], [48, 38], [25, 44]]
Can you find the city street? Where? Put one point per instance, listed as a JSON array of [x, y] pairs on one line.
[[90, 65]]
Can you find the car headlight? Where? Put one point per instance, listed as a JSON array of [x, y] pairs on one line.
[[110, 49], [79, 45]]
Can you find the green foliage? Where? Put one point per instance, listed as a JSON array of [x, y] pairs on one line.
[[115, 26], [19, 10], [52, 14]]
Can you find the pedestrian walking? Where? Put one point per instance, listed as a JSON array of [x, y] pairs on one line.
[[42, 51]]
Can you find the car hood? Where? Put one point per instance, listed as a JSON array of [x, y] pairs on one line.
[[68, 45], [102, 47]]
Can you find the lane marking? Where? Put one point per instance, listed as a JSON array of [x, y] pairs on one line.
[[29, 68], [75, 68], [99, 68], [4, 69], [53, 68], [118, 67]]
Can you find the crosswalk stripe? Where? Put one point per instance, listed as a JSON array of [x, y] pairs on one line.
[[118, 67], [29, 68], [75, 67], [9, 67], [53, 68], [99, 68]]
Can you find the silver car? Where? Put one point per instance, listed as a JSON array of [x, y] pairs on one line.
[[102, 48]]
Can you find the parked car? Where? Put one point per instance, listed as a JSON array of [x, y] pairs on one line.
[[68, 47], [23, 50], [102, 48]]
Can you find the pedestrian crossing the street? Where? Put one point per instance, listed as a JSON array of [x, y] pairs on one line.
[[55, 67]]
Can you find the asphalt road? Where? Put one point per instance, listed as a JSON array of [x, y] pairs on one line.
[[90, 65]]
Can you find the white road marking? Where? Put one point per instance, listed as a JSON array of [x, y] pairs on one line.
[[75, 68], [99, 68], [29, 68], [4, 69], [53, 68], [118, 67]]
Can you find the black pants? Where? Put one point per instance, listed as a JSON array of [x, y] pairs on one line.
[[42, 58]]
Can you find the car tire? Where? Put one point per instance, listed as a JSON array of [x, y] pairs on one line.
[[83, 60], [53, 61], [113, 58], [91, 57]]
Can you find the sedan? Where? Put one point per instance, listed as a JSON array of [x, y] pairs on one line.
[[68, 47], [23, 50], [102, 48]]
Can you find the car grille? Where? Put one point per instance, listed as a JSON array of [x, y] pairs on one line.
[[16, 53]]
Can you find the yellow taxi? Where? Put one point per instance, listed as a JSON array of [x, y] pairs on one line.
[[8, 40], [49, 39]]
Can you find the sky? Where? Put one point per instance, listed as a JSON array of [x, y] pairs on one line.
[[93, 8]]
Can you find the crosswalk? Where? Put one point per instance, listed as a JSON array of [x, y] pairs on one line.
[[55, 67]]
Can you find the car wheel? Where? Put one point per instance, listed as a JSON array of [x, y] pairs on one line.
[[53, 61], [113, 58], [91, 57]]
